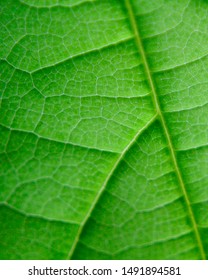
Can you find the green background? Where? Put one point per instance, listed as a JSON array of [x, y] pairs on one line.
[[103, 129]]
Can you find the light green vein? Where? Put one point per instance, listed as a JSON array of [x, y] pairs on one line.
[[40, 137], [36, 216], [93, 205], [162, 119], [80, 54], [42, 6]]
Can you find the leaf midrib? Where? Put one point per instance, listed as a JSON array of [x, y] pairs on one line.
[[163, 122], [158, 115]]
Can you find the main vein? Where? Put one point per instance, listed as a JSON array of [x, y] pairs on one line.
[[161, 117], [121, 156]]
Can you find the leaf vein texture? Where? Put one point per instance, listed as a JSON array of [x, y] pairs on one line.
[[164, 125]]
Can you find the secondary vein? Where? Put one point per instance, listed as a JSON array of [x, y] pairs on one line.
[[126, 149], [162, 119]]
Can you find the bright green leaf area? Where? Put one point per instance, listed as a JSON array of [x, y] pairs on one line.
[[103, 129]]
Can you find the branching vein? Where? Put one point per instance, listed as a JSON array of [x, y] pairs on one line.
[[126, 149]]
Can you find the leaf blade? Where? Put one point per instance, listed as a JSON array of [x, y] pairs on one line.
[[66, 120]]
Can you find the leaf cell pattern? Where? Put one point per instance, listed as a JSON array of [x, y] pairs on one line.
[[103, 129]]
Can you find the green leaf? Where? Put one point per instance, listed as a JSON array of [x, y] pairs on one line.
[[103, 129]]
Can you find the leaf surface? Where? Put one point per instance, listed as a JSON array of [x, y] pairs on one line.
[[103, 124]]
